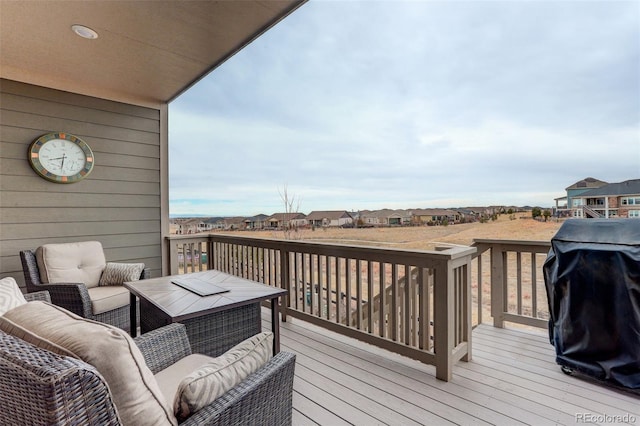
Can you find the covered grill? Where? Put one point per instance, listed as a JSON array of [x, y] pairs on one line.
[[592, 278]]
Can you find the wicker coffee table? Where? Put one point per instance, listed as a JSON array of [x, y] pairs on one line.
[[214, 323]]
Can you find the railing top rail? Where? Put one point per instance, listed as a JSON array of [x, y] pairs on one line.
[[511, 245], [333, 249], [478, 241], [344, 249], [201, 236]]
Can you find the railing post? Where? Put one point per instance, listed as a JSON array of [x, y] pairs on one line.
[[497, 281], [466, 315], [444, 320], [173, 257], [285, 283], [210, 262]]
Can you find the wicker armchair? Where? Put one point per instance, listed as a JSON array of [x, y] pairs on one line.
[[72, 296], [42, 388], [38, 295], [263, 398]]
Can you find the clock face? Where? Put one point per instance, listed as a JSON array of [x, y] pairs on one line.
[[61, 157]]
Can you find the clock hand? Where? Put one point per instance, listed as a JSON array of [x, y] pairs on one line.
[[62, 165]]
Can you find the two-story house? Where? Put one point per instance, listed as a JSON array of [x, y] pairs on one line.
[[610, 200]]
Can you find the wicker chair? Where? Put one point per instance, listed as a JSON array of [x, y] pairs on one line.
[[72, 296], [39, 387]]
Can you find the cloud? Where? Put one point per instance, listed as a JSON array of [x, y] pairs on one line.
[[427, 104]]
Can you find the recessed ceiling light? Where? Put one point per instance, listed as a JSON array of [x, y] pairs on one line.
[[84, 32]]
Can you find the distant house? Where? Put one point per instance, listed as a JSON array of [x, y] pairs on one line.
[[424, 216], [233, 223], [211, 224], [572, 200], [175, 225], [400, 217], [255, 222], [186, 226], [385, 217], [487, 211], [329, 218], [206, 225], [609, 200], [468, 215], [286, 220], [371, 218]]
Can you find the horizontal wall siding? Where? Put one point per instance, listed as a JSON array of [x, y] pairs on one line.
[[118, 204]]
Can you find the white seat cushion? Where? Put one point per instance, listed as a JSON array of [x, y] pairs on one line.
[[81, 262], [108, 298], [169, 378]]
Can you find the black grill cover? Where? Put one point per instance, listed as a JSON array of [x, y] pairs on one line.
[[592, 278]]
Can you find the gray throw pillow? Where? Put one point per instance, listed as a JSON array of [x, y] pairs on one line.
[[117, 273]]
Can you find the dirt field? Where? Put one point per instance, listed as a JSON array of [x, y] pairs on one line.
[[427, 237]]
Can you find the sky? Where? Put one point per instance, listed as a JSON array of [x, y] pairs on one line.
[[354, 105]]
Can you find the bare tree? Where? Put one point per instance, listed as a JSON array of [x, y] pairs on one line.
[[291, 205]]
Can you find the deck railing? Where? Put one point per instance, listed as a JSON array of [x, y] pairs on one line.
[[415, 303], [508, 282], [188, 254]]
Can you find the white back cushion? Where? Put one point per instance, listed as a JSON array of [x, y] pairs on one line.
[[81, 262], [10, 295]]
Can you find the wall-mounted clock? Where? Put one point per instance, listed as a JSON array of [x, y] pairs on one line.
[[61, 157]]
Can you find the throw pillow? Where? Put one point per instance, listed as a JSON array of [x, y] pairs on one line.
[[10, 295], [206, 384], [117, 273], [109, 349]]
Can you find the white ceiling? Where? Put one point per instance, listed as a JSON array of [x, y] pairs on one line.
[[147, 52]]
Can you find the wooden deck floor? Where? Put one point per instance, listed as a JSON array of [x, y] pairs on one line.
[[512, 379]]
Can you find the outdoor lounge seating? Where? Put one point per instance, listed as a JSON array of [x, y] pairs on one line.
[[79, 279], [129, 383]]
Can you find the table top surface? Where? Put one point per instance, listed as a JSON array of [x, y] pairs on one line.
[[181, 303]]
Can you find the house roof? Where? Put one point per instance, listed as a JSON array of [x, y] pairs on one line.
[[257, 218], [285, 216], [466, 211], [212, 220], [328, 214], [146, 53], [191, 221], [628, 187], [434, 212], [587, 183], [386, 213], [234, 220]]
